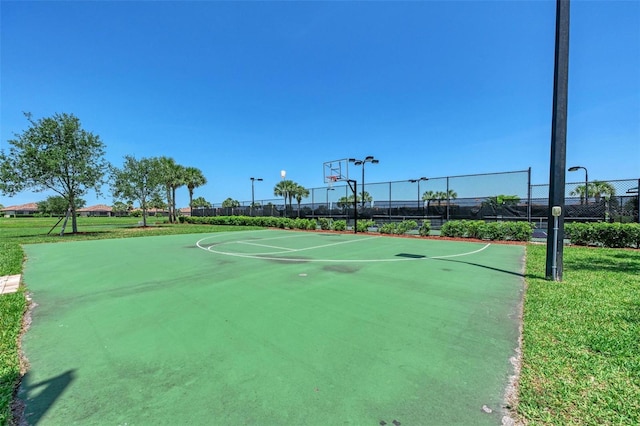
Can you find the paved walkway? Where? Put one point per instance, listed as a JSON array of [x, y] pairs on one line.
[[9, 284]]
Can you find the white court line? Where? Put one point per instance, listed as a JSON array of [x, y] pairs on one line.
[[264, 245], [266, 256], [461, 254]]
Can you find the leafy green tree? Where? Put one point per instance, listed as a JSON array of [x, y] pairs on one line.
[[193, 178], [230, 202], [54, 154], [57, 205], [138, 180], [120, 208], [501, 200], [200, 202]]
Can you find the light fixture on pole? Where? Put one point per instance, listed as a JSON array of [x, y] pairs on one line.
[[586, 181], [418, 180], [356, 162], [253, 203]]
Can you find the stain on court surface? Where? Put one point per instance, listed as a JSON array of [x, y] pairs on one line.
[[342, 268]]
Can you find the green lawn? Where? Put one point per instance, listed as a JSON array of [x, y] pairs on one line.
[[581, 337], [581, 354]]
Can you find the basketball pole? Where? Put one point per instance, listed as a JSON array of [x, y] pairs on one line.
[[354, 188], [555, 238]]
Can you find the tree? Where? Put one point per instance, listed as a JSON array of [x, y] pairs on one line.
[[579, 190], [57, 205], [54, 154], [120, 209], [172, 178], [286, 189], [201, 202], [428, 196], [599, 189], [194, 179], [138, 180], [347, 202], [300, 192], [230, 202]]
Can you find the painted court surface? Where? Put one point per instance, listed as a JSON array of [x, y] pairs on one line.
[[270, 328]]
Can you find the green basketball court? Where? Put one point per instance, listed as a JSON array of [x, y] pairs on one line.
[[270, 327]]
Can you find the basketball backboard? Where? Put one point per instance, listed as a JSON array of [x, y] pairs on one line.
[[335, 170]]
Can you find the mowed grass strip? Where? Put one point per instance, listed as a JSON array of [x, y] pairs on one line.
[[581, 339]]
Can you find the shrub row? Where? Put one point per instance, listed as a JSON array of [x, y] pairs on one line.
[[618, 235], [398, 228], [266, 221], [509, 231], [311, 224]]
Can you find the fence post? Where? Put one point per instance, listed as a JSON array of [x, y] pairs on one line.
[[529, 195]]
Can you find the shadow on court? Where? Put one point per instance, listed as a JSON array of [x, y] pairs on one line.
[[41, 396]]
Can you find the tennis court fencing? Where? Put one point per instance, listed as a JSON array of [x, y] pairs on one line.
[[488, 197]]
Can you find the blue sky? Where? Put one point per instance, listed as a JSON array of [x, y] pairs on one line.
[[241, 89]]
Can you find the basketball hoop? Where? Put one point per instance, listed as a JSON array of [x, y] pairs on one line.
[[331, 180]]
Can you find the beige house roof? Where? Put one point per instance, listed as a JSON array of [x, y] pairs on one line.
[[96, 208], [22, 207]]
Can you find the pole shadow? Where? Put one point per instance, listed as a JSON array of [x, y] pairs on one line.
[[39, 397]]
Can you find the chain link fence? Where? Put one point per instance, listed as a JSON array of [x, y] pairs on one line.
[[488, 197]]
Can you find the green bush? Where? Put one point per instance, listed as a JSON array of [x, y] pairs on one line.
[[494, 231], [425, 229], [398, 228], [615, 235], [388, 228], [340, 225], [365, 224], [325, 223], [406, 226], [453, 228], [513, 231]]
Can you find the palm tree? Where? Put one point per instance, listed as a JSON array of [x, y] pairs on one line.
[[286, 189], [428, 196], [194, 179], [300, 192], [171, 177], [579, 190], [440, 196], [601, 189]]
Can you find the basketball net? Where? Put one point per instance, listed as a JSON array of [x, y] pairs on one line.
[[331, 180]]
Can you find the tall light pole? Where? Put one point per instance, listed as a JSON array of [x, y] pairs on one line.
[[328, 209], [356, 162], [253, 179], [418, 180], [586, 181]]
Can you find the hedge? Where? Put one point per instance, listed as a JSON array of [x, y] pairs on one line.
[[614, 235], [506, 231]]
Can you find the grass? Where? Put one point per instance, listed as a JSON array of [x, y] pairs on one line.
[[581, 337]]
